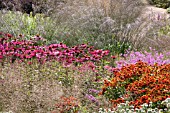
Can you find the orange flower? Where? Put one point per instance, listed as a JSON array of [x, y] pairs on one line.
[[146, 83]]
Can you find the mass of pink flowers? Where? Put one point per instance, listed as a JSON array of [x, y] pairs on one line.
[[16, 48]]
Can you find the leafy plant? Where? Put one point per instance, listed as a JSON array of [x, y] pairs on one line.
[[17, 23]]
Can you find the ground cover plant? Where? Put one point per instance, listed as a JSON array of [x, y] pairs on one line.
[[83, 56]]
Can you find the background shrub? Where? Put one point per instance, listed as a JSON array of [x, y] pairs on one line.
[[160, 3], [27, 6]]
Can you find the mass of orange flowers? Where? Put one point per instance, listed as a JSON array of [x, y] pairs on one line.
[[66, 104], [143, 83]]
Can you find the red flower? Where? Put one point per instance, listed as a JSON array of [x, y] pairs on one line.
[[8, 35], [113, 57]]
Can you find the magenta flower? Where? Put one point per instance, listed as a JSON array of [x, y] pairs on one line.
[[1, 57]]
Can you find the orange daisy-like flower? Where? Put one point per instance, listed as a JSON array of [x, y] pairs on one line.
[[144, 82]]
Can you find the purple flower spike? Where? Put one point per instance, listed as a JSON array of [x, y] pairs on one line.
[[91, 98], [93, 91]]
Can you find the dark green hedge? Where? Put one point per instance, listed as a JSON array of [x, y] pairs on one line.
[[160, 3]]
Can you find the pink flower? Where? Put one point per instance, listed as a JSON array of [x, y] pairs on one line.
[[1, 57]]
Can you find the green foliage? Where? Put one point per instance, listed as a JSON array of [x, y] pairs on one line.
[[160, 3], [165, 30], [168, 9], [114, 93], [65, 77], [29, 25], [106, 41]]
